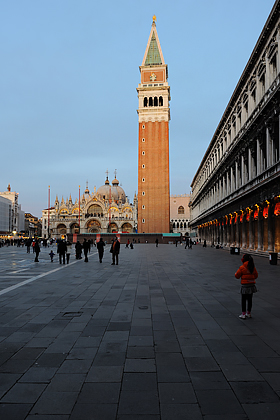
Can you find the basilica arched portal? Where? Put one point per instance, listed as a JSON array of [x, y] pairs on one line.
[[93, 226], [127, 228], [61, 229], [74, 228], [112, 228]]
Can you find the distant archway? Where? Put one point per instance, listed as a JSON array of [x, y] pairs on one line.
[[127, 228], [74, 228], [93, 226], [112, 228], [61, 229]]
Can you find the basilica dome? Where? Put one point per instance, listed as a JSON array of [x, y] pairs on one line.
[[108, 192], [120, 190]]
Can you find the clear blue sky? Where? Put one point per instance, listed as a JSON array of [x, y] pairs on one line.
[[69, 72]]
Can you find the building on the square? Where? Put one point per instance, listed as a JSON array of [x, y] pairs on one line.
[[16, 215], [5, 216], [153, 142], [33, 226], [180, 214], [236, 189], [106, 210]]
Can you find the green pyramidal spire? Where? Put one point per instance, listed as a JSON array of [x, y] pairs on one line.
[[153, 56]]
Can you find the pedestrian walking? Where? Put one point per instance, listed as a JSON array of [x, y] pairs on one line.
[[156, 242], [28, 245], [78, 248], [100, 249], [248, 273], [86, 249], [61, 250], [115, 250], [68, 251], [51, 254], [36, 250]]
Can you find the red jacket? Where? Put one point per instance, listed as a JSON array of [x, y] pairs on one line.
[[246, 276]]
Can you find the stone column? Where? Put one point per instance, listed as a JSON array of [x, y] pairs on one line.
[[249, 164], [251, 234], [268, 148], [278, 41], [259, 156], [244, 231], [230, 232], [237, 231], [225, 232], [231, 180], [267, 73], [242, 171], [260, 229], [237, 182], [270, 225], [279, 122]]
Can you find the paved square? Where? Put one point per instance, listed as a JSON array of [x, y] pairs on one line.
[[155, 338]]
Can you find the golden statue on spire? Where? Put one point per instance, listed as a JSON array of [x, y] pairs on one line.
[[154, 19]]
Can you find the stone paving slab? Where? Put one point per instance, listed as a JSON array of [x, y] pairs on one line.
[[155, 338]]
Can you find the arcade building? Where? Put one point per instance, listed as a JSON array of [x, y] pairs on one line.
[[236, 190]]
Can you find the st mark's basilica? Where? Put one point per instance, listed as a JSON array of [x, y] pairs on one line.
[[106, 210]]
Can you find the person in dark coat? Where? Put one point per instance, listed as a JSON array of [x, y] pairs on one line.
[[100, 248], [28, 245], [78, 248], [86, 249], [115, 250], [61, 250], [68, 251], [37, 250]]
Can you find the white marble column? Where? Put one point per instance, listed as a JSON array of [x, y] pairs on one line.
[[242, 171], [237, 180], [250, 175], [231, 179], [269, 148], [259, 156]]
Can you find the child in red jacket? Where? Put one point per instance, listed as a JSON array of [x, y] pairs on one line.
[[248, 274]]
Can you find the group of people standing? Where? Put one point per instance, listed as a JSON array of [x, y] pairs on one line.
[[64, 248]]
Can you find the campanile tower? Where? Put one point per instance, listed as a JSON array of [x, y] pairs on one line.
[[153, 149]]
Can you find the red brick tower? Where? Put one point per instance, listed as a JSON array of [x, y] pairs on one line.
[[153, 157]]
